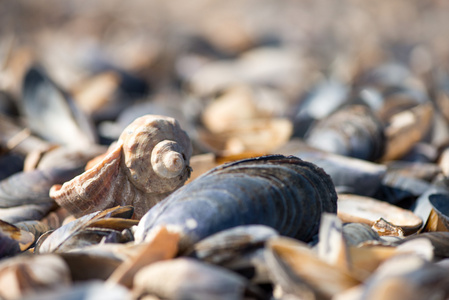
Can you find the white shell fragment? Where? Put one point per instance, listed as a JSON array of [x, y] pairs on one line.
[[354, 208]]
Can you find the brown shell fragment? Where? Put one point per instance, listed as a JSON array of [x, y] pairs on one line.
[[406, 129], [383, 227], [149, 161], [354, 208]]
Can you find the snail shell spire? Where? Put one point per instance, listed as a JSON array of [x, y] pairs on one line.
[[149, 161]]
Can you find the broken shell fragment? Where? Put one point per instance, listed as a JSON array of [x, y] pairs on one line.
[[439, 241], [358, 233], [405, 129], [407, 277], [149, 161], [440, 208], [163, 246], [354, 208], [228, 244], [296, 268], [78, 233], [385, 228]]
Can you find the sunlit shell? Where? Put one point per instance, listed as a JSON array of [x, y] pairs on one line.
[[149, 161], [285, 193]]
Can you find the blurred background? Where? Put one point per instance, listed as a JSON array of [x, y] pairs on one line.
[[178, 55]]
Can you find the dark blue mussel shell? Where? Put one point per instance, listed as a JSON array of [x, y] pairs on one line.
[[285, 193]]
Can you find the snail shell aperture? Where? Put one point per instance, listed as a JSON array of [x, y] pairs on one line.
[[149, 161]]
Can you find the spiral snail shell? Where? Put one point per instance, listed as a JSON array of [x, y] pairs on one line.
[[149, 161]]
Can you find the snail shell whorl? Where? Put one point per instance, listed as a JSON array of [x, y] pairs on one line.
[[148, 162], [167, 160], [156, 150]]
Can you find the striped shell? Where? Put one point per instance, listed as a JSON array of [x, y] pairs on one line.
[[285, 193], [149, 161]]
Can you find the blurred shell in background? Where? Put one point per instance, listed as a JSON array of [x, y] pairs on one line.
[[360, 100]]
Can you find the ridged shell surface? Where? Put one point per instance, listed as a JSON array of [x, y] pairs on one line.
[[285, 193], [148, 162]]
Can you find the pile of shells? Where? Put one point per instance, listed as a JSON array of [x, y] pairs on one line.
[[212, 152]]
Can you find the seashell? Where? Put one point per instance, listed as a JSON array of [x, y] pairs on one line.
[[227, 244], [239, 249], [352, 131], [439, 241], [439, 216], [367, 258], [328, 95], [149, 161], [299, 270], [422, 206], [405, 129], [407, 277], [77, 233], [27, 275], [385, 228], [187, 278], [324, 98], [32, 187], [398, 99], [332, 246], [353, 208], [36, 228], [285, 193], [85, 237], [52, 114], [163, 246], [439, 132], [348, 174]]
